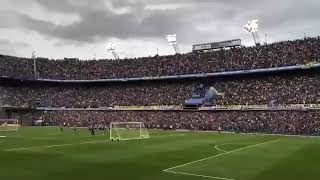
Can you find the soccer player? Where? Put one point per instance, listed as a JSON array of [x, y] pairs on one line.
[[61, 127], [75, 129], [92, 130]]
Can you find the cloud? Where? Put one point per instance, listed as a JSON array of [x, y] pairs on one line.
[[125, 19], [105, 22], [194, 21], [10, 48]]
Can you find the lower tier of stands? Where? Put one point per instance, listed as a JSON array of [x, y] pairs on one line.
[[297, 122]]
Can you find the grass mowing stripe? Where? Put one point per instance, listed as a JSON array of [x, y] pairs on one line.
[[43, 138], [198, 175], [228, 152], [87, 142], [36, 147], [290, 158], [170, 135], [56, 145], [152, 137]]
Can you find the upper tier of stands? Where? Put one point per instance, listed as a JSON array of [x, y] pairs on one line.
[[278, 54]]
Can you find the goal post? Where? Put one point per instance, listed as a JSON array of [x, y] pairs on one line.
[[127, 131], [9, 125]]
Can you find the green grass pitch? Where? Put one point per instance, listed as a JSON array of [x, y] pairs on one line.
[[46, 153]]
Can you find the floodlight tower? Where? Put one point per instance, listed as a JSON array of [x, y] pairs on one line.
[[172, 40], [113, 50], [34, 64], [252, 27]]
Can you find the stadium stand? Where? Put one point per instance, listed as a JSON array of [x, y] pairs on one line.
[[288, 88], [278, 54], [278, 88], [275, 122], [101, 95]]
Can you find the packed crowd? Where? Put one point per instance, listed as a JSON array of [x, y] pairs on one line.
[[280, 89], [16, 67], [83, 96], [292, 89], [274, 122], [272, 55], [289, 88]]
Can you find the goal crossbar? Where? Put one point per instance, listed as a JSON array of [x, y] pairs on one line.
[[128, 131]]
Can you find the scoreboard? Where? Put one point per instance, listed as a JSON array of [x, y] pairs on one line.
[[216, 45]]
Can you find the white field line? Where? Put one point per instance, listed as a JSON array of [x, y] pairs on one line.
[[71, 144], [218, 145], [199, 175], [56, 145], [217, 148], [217, 155]]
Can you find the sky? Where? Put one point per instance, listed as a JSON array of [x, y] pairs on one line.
[[84, 28]]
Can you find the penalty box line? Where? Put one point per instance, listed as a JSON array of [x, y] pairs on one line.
[[170, 170], [198, 175]]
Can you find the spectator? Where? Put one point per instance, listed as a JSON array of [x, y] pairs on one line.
[[272, 55], [275, 122]]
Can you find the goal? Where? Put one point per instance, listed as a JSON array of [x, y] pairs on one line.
[[127, 131], [9, 125]]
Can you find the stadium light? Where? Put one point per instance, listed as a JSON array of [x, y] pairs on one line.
[[111, 48], [252, 27], [172, 40], [265, 39], [34, 64]]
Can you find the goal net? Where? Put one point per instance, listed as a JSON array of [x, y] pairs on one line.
[[9, 124], [127, 131]]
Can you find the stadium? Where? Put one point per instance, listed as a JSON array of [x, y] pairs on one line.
[[221, 110]]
